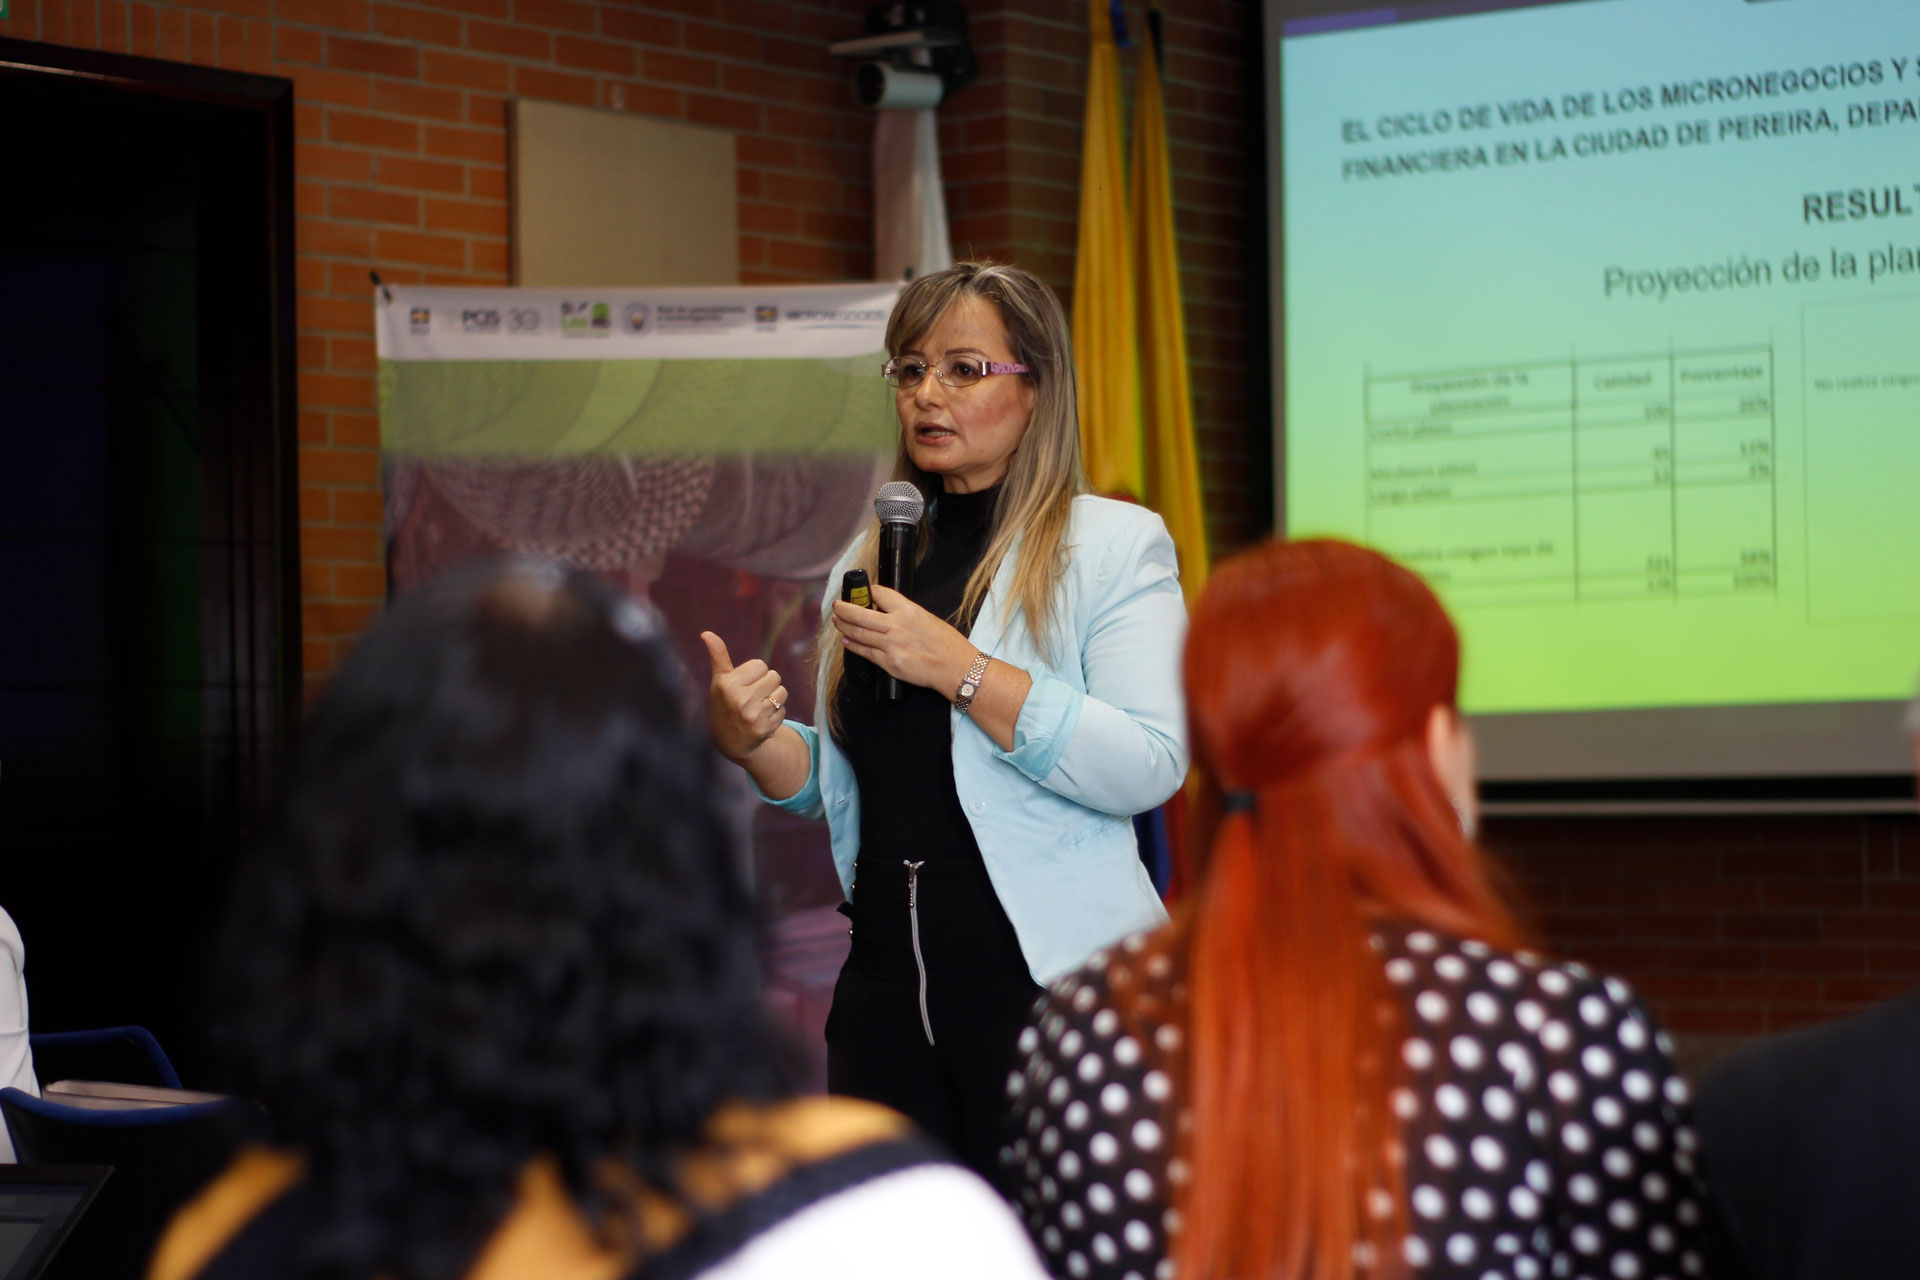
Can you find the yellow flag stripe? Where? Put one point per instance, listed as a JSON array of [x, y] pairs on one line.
[[1107, 365], [1173, 467]]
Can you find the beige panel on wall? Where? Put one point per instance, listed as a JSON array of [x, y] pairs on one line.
[[604, 199]]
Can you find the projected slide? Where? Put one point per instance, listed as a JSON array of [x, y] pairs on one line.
[[1605, 316]]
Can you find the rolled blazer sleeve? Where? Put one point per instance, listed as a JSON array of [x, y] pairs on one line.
[[807, 801], [1118, 746]]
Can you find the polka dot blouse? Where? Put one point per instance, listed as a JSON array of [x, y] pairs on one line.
[[1547, 1133]]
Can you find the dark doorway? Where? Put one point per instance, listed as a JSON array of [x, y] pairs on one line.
[[149, 655]]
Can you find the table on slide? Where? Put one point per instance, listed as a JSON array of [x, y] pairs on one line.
[[1632, 477]]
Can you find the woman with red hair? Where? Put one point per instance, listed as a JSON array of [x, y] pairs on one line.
[[1336, 1061]]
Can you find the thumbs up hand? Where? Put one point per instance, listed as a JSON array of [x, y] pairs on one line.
[[745, 704]]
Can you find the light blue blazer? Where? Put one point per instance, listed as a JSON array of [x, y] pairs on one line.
[[1102, 736]]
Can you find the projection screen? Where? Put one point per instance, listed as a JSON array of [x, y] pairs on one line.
[[1604, 315]]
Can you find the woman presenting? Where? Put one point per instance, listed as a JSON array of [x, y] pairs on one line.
[[981, 825]]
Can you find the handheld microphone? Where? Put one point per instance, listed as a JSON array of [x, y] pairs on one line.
[[899, 505]]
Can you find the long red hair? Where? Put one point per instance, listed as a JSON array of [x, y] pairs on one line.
[[1311, 671]]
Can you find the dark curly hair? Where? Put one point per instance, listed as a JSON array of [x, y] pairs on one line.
[[499, 916]]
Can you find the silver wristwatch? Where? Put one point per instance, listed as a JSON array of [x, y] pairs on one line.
[[970, 684]]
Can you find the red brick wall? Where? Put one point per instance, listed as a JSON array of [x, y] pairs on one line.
[[1730, 926], [401, 166]]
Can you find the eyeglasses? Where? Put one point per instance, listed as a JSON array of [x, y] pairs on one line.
[[954, 371]]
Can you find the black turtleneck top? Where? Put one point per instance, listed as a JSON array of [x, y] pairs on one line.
[[902, 752]]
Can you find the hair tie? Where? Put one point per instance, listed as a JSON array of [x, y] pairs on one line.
[[1236, 802]]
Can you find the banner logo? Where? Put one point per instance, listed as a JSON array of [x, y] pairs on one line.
[[703, 317], [762, 321], [585, 319], [835, 317]]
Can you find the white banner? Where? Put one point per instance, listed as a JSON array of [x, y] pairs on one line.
[[733, 322], [714, 450]]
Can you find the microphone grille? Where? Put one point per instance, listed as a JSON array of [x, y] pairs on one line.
[[899, 502]]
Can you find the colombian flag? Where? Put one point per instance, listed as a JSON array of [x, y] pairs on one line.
[[1172, 469]]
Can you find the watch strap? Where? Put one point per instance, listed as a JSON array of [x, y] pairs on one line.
[[970, 683]]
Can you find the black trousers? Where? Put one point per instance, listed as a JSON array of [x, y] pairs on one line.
[[943, 1061]]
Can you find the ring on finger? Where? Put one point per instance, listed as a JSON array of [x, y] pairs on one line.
[[775, 705]]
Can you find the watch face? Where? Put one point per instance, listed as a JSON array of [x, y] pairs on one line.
[[966, 690]]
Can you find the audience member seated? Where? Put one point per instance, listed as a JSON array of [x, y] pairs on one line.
[[16, 1055], [496, 978], [1811, 1142], [1337, 1061]]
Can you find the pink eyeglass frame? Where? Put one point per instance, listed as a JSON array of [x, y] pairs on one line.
[[987, 369]]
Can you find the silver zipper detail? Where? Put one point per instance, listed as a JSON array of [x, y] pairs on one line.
[[913, 919]]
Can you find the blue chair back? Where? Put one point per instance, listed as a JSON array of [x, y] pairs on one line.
[[128, 1054], [161, 1157]]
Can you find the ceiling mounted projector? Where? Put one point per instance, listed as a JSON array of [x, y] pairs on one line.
[[915, 54]]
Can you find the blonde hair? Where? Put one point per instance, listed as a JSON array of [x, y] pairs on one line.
[[1043, 477]]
